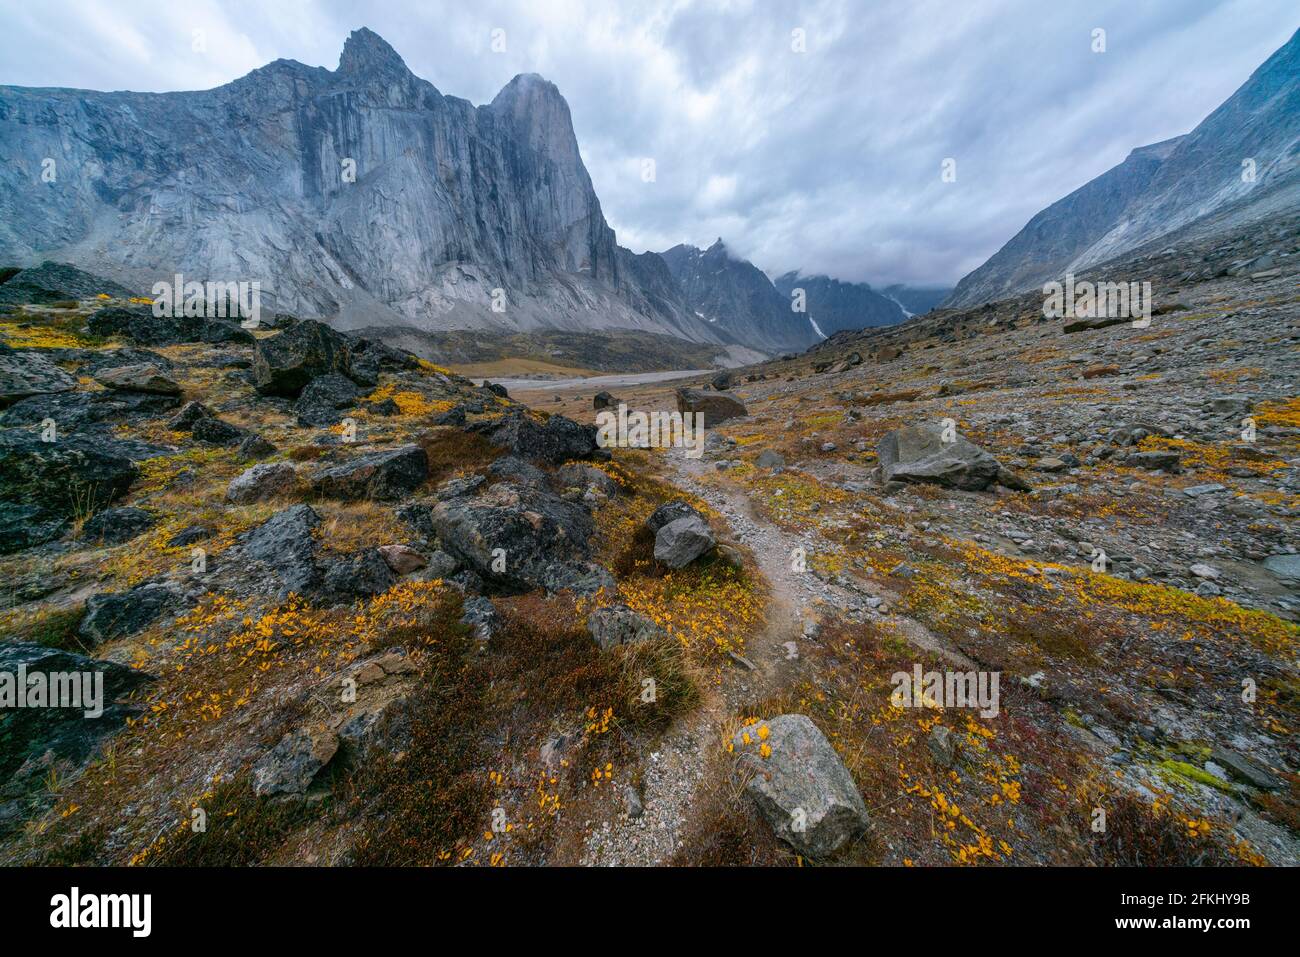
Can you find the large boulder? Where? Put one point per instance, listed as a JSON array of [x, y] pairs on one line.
[[120, 614], [543, 539], [362, 574], [555, 441], [261, 482], [800, 785], [283, 364], [380, 476], [138, 378], [620, 625], [323, 398], [198, 420], [70, 731], [714, 406], [77, 411], [76, 474], [668, 512], [682, 541], [56, 282], [919, 454], [586, 478], [292, 765], [23, 374], [140, 325], [113, 526], [279, 556], [25, 526]]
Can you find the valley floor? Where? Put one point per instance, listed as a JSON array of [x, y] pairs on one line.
[[1147, 699]]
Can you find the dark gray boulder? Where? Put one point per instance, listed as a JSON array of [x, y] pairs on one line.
[[716, 407], [380, 476], [542, 538], [669, 512], [554, 442], [324, 397], [113, 526], [120, 614], [32, 737], [283, 364], [28, 373], [620, 625], [74, 475], [138, 377]]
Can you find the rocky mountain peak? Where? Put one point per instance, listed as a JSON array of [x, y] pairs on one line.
[[367, 52]]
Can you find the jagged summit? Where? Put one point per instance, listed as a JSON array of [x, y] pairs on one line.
[[364, 197], [366, 51]]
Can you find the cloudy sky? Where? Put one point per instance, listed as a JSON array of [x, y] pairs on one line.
[[823, 155]]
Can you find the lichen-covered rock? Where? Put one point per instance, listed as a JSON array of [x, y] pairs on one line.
[[799, 784], [922, 454], [379, 476], [283, 364], [261, 482], [138, 378], [620, 625], [24, 374]]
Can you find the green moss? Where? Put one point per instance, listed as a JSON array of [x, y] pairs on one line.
[[1181, 774]]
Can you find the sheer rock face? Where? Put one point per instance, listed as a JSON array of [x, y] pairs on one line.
[[254, 181], [1192, 182]]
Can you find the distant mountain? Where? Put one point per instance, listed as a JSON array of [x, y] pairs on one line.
[[737, 298], [833, 306], [1165, 187], [254, 181], [917, 300]]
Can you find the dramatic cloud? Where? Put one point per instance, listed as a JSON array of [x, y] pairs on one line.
[[809, 135]]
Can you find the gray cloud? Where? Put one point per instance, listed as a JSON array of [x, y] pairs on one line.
[[826, 160]]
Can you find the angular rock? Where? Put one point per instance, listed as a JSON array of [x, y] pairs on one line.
[[402, 559], [1247, 770], [919, 454], [577, 475], [557, 440], [113, 526], [120, 614], [292, 765], [534, 529], [802, 788], [669, 512], [28, 373], [65, 732], [283, 364], [362, 574], [74, 475], [322, 399], [714, 406], [620, 625], [261, 482], [680, 542], [280, 554], [379, 476], [138, 378]]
